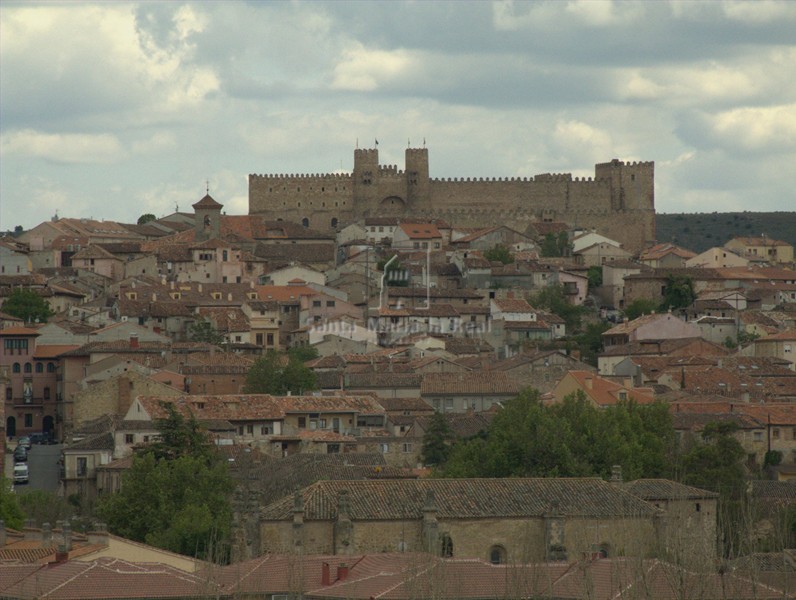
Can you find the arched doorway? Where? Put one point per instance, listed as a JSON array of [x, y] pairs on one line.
[[48, 424], [11, 426], [392, 205]]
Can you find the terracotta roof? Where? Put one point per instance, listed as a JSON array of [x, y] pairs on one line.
[[471, 383], [420, 231], [19, 331], [53, 350], [464, 498], [605, 392], [515, 305], [207, 202], [660, 250]]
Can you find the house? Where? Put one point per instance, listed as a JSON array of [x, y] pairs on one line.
[[716, 258], [14, 257], [658, 326], [462, 392], [540, 370], [96, 259], [488, 238], [417, 236], [612, 291], [665, 256], [781, 345], [773, 251], [80, 462], [32, 381], [680, 347], [599, 391]]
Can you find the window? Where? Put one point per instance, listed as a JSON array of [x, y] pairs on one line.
[[316, 303], [224, 255], [82, 466], [334, 222], [250, 429], [16, 368], [269, 339], [39, 368], [129, 438], [46, 393], [28, 368], [446, 546], [9, 394], [384, 448], [302, 422], [758, 436], [330, 304], [775, 433], [305, 221], [28, 420], [333, 448], [265, 430], [407, 447], [322, 423], [497, 555], [698, 507]]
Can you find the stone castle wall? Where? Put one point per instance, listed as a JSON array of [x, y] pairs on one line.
[[618, 201]]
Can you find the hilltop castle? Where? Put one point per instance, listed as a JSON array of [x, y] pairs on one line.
[[619, 201]]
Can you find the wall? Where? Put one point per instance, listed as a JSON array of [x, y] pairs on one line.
[[618, 201]]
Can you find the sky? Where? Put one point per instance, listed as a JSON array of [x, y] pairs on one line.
[[111, 109]]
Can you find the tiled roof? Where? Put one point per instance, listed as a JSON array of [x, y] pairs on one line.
[[465, 425], [464, 498], [310, 253], [515, 305], [665, 489], [15, 331], [660, 250], [207, 202], [605, 392], [102, 441], [471, 383], [93, 251], [420, 231]]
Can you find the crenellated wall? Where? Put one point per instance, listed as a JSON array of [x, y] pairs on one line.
[[619, 201]]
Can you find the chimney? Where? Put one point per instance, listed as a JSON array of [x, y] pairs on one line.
[[46, 535], [325, 577], [133, 340], [3, 537], [199, 288], [342, 572], [154, 297], [588, 383], [229, 296], [67, 533], [616, 474]]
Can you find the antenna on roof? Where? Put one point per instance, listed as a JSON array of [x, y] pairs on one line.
[[207, 186]]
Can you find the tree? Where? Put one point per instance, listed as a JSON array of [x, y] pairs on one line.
[[177, 493], [499, 253], [278, 373], [679, 292], [27, 305], [552, 298], [181, 505], [146, 218], [45, 507], [10, 511], [556, 245], [436, 441], [303, 353], [395, 274], [203, 330], [590, 342], [595, 275], [640, 306]]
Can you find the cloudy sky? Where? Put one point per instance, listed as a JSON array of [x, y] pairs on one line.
[[109, 110]]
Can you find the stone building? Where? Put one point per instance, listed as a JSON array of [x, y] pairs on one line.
[[501, 520], [618, 201]]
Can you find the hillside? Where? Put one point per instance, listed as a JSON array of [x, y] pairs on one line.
[[700, 231]]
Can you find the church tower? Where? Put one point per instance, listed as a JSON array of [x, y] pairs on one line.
[[207, 218]]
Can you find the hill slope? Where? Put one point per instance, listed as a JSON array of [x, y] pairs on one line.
[[700, 231]]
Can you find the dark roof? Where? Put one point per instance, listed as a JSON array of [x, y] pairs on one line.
[[665, 489], [208, 202], [464, 498]]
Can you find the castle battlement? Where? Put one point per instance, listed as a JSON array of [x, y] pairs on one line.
[[618, 200]]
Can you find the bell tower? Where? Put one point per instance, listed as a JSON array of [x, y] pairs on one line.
[[207, 218]]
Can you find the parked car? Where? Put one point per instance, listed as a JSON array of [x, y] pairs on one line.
[[20, 473], [24, 441], [42, 438], [20, 454]]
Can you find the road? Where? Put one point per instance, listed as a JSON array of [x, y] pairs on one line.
[[43, 468]]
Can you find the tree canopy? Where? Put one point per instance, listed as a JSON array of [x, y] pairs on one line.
[[146, 218], [552, 298], [27, 305], [499, 253], [640, 306], [436, 441], [177, 493], [555, 245], [203, 330], [571, 439], [279, 373], [10, 511], [678, 293]]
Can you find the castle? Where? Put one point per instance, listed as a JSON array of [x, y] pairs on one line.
[[619, 201]]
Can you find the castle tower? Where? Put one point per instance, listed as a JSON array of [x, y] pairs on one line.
[[417, 178], [207, 218], [366, 173]]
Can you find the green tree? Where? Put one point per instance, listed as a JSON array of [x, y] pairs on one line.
[[552, 298], [394, 274], [181, 505], [303, 353], [556, 245], [146, 218], [590, 342], [279, 373], [10, 511], [595, 275], [499, 253], [203, 330], [436, 441], [640, 306], [27, 305], [45, 507], [181, 436], [678, 293]]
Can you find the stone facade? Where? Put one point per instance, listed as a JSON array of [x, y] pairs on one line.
[[618, 201]]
